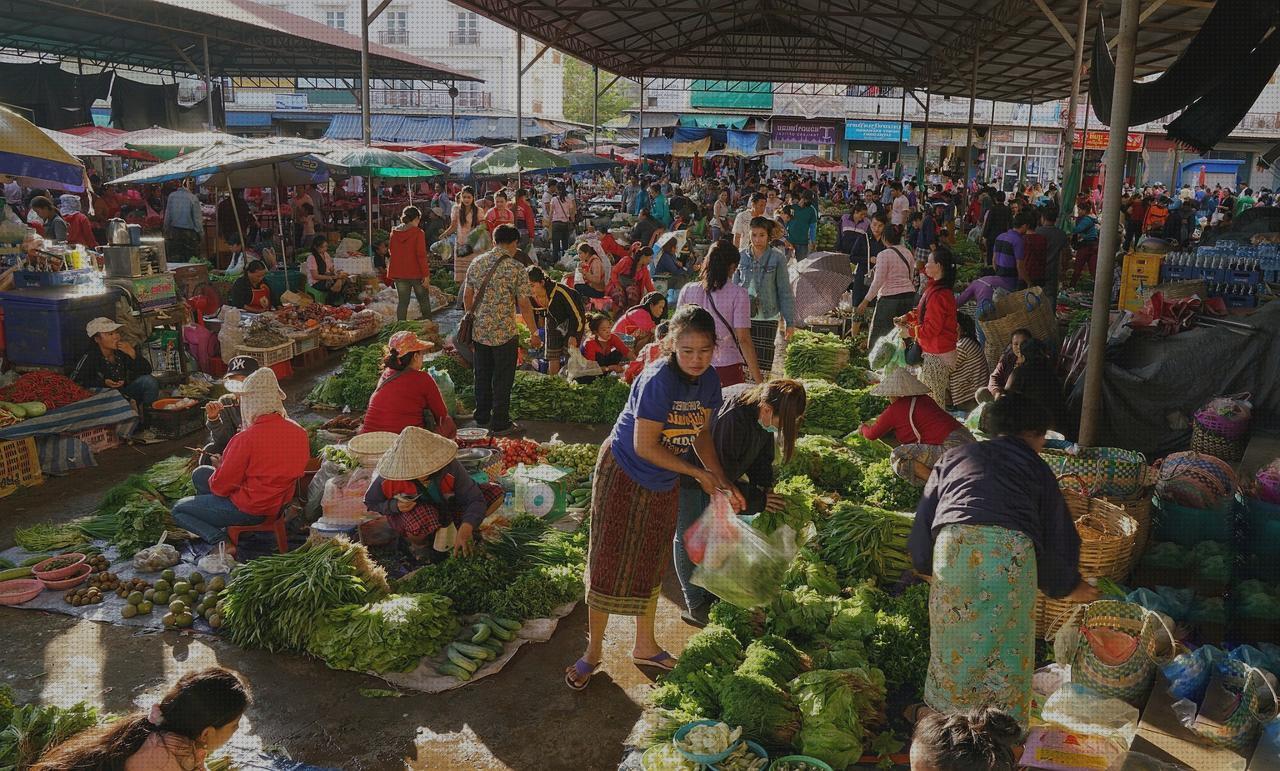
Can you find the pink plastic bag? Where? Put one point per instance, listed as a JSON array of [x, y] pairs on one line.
[[714, 524]]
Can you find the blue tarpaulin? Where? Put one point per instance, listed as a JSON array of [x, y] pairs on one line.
[[745, 143], [655, 146], [424, 129]]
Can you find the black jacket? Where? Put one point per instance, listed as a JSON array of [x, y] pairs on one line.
[[94, 370], [744, 448]]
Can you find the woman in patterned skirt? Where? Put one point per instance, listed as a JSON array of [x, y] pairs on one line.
[[634, 498], [991, 528]]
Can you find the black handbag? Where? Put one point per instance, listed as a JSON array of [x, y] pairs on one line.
[[462, 338], [913, 354]]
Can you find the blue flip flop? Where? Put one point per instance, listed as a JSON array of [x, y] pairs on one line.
[[662, 660], [583, 670]]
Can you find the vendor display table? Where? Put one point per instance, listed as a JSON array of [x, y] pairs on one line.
[[55, 432]]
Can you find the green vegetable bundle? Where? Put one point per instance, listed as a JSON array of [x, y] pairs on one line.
[[899, 643], [886, 490], [542, 397], [815, 355], [745, 624], [275, 602], [799, 496], [965, 250], [863, 542], [459, 371], [801, 615], [775, 658], [765, 711], [171, 478], [830, 409], [45, 537], [827, 462], [853, 377], [391, 635], [465, 581], [353, 385], [835, 708], [29, 731], [693, 685], [808, 570]]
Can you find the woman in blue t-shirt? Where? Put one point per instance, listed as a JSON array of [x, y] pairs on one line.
[[634, 498]]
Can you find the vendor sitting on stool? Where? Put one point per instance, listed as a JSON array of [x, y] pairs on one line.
[[222, 415], [251, 292], [923, 429], [405, 394], [260, 467], [421, 488], [113, 363]]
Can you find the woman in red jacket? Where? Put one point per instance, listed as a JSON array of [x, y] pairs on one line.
[[933, 324], [923, 430], [407, 396], [408, 267]]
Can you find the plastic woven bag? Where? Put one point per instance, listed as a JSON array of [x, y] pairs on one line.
[[889, 351], [736, 562], [1188, 674]]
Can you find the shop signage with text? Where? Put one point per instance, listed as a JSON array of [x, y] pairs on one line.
[[876, 130], [804, 132], [1098, 140]]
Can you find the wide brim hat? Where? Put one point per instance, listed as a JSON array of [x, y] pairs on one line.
[[416, 453], [899, 382]]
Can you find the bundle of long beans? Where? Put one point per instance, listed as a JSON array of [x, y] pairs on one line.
[[864, 542]]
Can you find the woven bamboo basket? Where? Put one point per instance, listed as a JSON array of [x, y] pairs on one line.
[[1107, 550], [1140, 509]]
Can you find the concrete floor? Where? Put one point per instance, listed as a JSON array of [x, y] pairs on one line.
[[522, 718]]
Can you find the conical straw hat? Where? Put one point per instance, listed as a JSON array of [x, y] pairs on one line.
[[415, 454], [900, 382]]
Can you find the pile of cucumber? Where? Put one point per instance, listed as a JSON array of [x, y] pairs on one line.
[[10, 572], [484, 641], [580, 497]]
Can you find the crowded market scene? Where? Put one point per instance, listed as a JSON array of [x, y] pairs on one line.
[[911, 381]]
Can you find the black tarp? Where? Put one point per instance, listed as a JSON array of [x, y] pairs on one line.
[[136, 106], [1149, 379], [1233, 25], [1210, 119], [51, 96]]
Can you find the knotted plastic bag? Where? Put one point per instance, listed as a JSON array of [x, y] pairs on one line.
[[736, 562]]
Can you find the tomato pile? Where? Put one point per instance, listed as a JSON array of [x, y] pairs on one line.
[[41, 386], [517, 451]]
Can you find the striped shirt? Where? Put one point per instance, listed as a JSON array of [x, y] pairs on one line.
[[970, 373]]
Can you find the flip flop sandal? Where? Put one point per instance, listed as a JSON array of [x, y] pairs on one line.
[[583, 671], [662, 660]]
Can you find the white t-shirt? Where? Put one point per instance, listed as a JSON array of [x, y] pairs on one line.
[[901, 206]]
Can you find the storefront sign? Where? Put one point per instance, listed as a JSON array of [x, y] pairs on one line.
[[291, 101], [803, 132], [876, 130], [1098, 140]]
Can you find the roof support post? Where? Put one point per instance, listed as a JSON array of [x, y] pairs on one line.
[[366, 124], [208, 80], [1091, 408], [1068, 144], [595, 107], [1025, 170], [519, 89], [902, 118], [453, 112], [922, 167], [991, 130], [968, 140], [640, 146]]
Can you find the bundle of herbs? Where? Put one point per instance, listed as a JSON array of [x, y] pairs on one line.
[[863, 542], [390, 635]]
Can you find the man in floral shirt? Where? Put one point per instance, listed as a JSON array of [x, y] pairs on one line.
[[494, 331]]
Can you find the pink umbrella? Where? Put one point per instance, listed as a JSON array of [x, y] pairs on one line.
[[817, 163]]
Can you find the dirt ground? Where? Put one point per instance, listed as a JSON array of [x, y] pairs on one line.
[[522, 718]]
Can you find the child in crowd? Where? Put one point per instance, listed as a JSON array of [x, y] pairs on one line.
[[604, 347], [647, 355], [308, 220], [983, 740]]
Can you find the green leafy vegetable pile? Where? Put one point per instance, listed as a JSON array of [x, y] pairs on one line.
[[275, 602], [836, 706], [800, 496], [135, 512], [830, 464], [815, 355], [886, 490], [391, 635], [353, 385], [171, 478], [863, 542], [541, 397], [899, 643], [835, 411], [29, 731], [965, 250]]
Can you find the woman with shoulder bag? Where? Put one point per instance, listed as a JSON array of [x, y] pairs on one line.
[[893, 287], [932, 328], [730, 306]]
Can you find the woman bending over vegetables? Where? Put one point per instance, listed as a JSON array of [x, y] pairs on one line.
[[744, 431], [991, 528], [634, 499], [924, 430], [423, 490]]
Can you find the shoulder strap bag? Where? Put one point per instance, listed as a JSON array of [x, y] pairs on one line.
[[910, 265], [462, 338], [732, 336]]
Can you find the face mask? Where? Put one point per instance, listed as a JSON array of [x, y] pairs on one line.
[[769, 427]]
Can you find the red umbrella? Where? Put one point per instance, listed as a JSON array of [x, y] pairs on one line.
[[817, 163]]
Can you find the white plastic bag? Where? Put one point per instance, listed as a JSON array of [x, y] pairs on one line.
[[217, 562], [578, 366], [156, 558], [736, 562], [343, 501], [231, 336], [1083, 711]]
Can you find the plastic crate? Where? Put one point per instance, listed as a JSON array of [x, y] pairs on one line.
[[19, 465], [1144, 265], [268, 356], [1242, 277], [100, 438], [355, 266], [303, 343], [32, 278], [1240, 301]]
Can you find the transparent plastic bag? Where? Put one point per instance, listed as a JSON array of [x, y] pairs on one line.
[[343, 501], [448, 391], [578, 366], [1081, 710], [315, 491], [156, 558], [217, 562], [1189, 673], [736, 562], [889, 351]]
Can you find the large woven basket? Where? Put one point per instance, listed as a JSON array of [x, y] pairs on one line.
[[1210, 442], [1107, 471]]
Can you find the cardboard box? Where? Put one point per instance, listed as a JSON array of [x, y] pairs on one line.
[[1163, 737]]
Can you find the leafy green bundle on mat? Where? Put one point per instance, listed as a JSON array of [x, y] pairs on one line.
[[390, 635], [815, 355]]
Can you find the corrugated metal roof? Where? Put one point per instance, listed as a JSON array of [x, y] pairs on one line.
[[437, 128], [248, 119]]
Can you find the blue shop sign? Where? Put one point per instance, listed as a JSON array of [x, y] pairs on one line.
[[876, 130]]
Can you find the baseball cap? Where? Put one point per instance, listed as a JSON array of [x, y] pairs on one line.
[[242, 366], [100, 325], [407, 342]]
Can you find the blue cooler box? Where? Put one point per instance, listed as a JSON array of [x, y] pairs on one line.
[[45, 327]]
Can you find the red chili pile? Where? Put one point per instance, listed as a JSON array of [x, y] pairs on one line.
[[41, 386]]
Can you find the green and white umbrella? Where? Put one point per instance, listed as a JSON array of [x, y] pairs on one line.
[[378, 163], [515, 159]]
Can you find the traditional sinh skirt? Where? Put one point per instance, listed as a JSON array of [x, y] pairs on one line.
[[904, 456], [981, 604], [632, 529]]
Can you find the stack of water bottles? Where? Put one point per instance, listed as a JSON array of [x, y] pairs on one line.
[[1235, 272]]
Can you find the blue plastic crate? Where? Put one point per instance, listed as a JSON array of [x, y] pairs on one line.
[[1242, 277], [1176, 273], [1240, 301], [31, 279], [46, 327]]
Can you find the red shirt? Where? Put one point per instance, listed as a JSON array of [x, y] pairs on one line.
[[934, 423], [611, 245], [408, 255], [399, 403], [1034, 247], [497, 217], [525, 212], [79, 230], [262, 464], [938, 330], [594, 348]]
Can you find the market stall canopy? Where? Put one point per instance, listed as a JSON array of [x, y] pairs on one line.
[[509, 160], [375, 162], [246, 39], [107, 139], [240, 165], [817, 163], [427, 160], [73, 145], [420, 130], [34, 158], [589, 162], [163, 143], [1023, 55]]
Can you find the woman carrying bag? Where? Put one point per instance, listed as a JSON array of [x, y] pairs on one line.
[[932, 328], [730, 305], [893, 287]]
